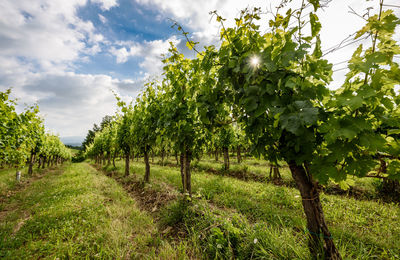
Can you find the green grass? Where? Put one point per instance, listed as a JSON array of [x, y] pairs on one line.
[[8, 180], [77, 212], [258, 169], [361, 229]]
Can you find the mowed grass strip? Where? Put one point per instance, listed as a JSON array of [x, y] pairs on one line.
[[77, 212], [258, 170]]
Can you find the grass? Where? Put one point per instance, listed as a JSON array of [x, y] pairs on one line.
[[258, 170], [76, 212], [8, 180], [273, 215]]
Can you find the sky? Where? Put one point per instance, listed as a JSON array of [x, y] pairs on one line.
[[69, 56]]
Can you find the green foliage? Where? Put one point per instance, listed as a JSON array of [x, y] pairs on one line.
[[91, 133], [364, 113], [225, 137], [181, 115], [285, 106], [278, 100], [24, 134], [145, 118]]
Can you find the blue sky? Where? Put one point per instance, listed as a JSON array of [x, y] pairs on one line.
[[68, 56], [128, 21]]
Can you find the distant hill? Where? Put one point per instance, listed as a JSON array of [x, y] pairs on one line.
[[72, 140]]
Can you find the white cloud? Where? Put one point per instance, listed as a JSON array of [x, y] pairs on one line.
[[149, 51], [123, 54], [102, 18], [106, 4], [47, 32], [194, 15], [72, 102]]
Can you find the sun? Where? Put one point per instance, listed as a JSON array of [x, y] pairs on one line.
[[255, 61]]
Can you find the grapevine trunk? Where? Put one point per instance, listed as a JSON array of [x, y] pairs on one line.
[[239, 155], [31, 161], [226, 158], [316, 226], [126, 164], [147, 170]]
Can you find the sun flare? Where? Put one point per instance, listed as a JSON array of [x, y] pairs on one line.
[[255, 61]]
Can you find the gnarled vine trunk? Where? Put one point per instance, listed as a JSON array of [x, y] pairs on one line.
[[113, 159], [147, 169], [239, 154], [182, 163], [186, 173], [44, 162], [31, 162], [162, 156], [226, 158], [40, 161], [274, 173], [126, 164], [188, 176], [316, 226]]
